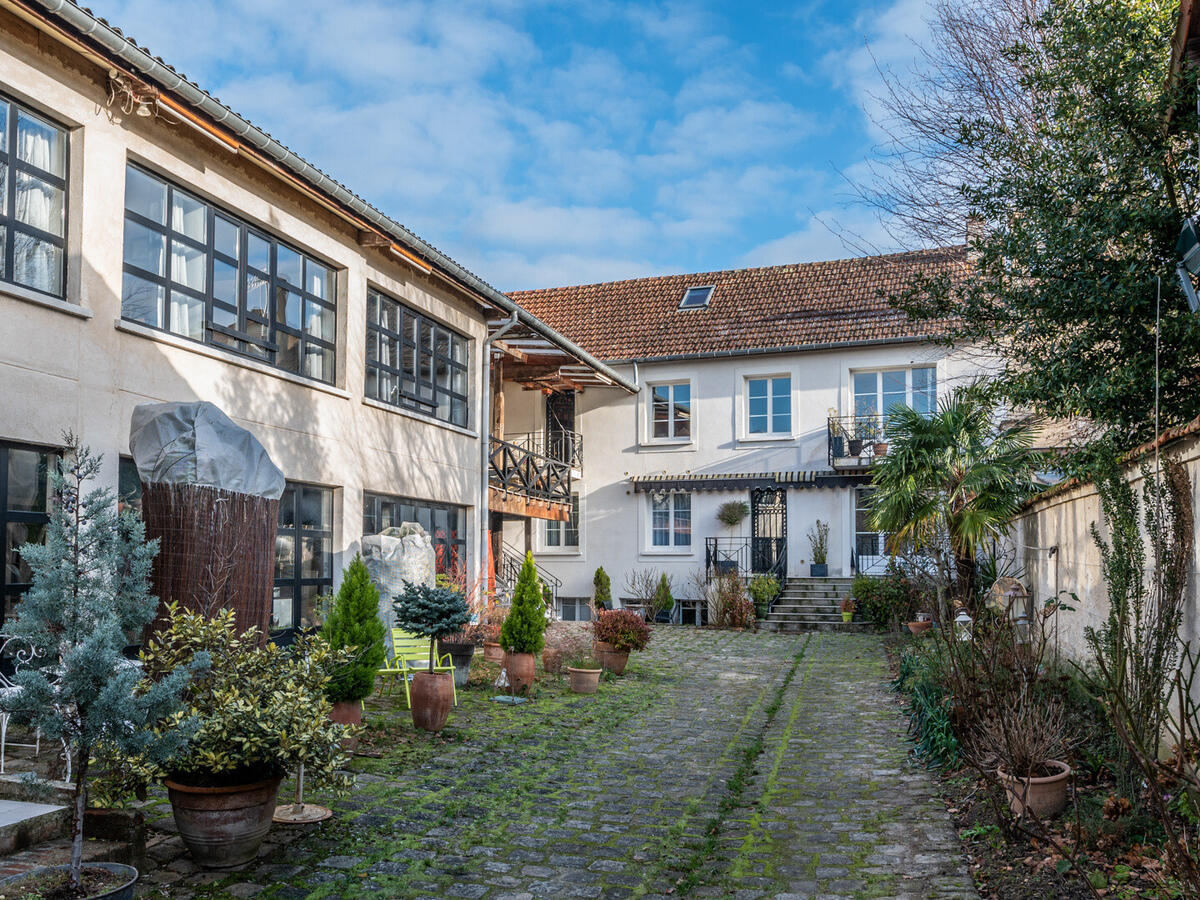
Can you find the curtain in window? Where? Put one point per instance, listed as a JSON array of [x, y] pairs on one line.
[[37, 263]]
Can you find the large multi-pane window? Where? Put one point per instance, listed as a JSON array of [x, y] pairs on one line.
[[414, 362], [877, 393], [671, 410], [303, 556], [769, 405], [445, 524], [671, 519], [33, 199], [25, 498], [564, 534], [197, 271]]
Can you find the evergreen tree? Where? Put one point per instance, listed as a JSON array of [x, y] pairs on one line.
[[602, 584], [354, 623], [90, 594], [433, 612], [663, 599], [524, 628]]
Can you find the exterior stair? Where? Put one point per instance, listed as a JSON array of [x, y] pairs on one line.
[[811, 604]]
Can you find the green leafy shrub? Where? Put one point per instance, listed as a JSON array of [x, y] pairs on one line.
[[732, 512], [663, 599], [433, 612], [921, 677], [763, 591], [623, 628], [353, 624], [602, 585], [886, 601], [818, 540], [524, 628]]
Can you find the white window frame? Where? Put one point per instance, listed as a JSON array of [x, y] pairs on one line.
[[648, 415], [564, 549], [741, 387], [673, 532], [878, 372]]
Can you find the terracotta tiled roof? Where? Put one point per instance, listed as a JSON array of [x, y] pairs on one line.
[[772, 308]]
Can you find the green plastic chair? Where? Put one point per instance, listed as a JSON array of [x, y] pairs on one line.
[[410, 654]]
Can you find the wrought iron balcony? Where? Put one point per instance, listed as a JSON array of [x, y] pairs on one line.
[[562, 446], [745, 557], [856, 442], [519, 470]]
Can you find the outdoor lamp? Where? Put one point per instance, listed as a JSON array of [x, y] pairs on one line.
[[962, 624]]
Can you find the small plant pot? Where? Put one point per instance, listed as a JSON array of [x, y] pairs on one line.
[[919, 628], [123, 891], [880, 448], [552, 661], [584, 681], [460, 655], [521, 668], [432, 696], [847, 616], [611, 659], [493, 652], [856, 446], [818, 570], [347, 712], [222, 827], [1045, 797]]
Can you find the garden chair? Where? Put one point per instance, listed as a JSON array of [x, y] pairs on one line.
[[15, 653], [410, 654]]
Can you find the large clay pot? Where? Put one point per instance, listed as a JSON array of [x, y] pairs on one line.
[[521, 670], [121, 892], [584, 681], [919, 628], [222, 827], [347, 712], [432, 696], [460, 655], [612, 659], [552, 660], [1046, 797], [493, 652]]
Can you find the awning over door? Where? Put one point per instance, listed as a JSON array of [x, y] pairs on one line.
[[737, 481]]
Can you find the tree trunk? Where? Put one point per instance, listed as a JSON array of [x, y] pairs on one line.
[[964, 577], [77, 823]]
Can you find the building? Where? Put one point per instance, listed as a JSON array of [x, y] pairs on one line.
[[156, 246], [767, 386]]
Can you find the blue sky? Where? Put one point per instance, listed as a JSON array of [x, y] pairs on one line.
[[548, 143]]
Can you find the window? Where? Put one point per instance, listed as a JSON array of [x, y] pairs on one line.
[[33, 199], [575, 609], [201, 273], [696, 297], [446, 525], [671, 520], [25, 497], [129, 486], [671, 410], [878, 393], [414, 362], [303, 556], [769, 405], [565, 534]]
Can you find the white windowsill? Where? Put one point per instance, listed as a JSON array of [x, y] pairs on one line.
[[666, 444], [569, 552], [174, 340], [413, 414], [16, 292], [662, 551], [765, 438]]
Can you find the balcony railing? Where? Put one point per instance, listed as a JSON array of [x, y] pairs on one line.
[[856, 442], [509, 568], [745, 557], [563, 446], [518, 470]]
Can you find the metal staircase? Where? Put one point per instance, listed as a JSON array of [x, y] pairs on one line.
[[509, 567]]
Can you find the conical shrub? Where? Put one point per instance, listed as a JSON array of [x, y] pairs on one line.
[[524, 629]]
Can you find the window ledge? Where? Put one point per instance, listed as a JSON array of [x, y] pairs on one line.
[[765, 438], [413, 414], [16, 292], [557, 551], [687, 551], [183, 343], [666, 444]]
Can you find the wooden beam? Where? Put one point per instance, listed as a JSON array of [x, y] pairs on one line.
[[508, 350], [373, 239], [527, 507]]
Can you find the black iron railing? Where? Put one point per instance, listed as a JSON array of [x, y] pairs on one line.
[[510, 567], [522, 471], [745, 557], [856, 441], [559, 445]]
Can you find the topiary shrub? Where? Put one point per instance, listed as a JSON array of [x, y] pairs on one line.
[[663, 599], [524, 628], [602, 594], [431, 612], [732, 512], [624, 629], [354, 624]]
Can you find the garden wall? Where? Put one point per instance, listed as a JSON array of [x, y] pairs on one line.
[[1063, 518]]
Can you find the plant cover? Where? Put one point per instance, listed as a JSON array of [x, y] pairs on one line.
[[524, 628], [90, 591], [602, 589], [818, 540], [261, 710], [623, 628], [433, 612], [353, 624], [763, 590], [732, 512]]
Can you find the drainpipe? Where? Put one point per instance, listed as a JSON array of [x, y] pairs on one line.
[[485, 443]]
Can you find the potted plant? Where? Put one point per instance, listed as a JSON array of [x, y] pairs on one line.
[[260, 711], [353, 624], [880, 448], [818, 539], [460, 646], [732, 512], [90, 590], [921, 624], [552, 660], [432, 612], [837, 435], [584, 672], [523, 633], [662, 600], [617, 633], [848, 607], [602, 590], [763, 591], [1024, 742]]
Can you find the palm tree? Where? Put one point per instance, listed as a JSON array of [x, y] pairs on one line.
[[952, 481]]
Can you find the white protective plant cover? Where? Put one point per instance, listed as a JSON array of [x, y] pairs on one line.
[[196, 443], [396, 556]]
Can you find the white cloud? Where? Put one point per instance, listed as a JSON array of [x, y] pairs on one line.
[[828, 234]]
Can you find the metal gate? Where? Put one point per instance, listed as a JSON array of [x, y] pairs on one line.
[[768, 532]]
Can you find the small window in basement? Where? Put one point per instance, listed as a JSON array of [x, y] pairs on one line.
[[696, 297]]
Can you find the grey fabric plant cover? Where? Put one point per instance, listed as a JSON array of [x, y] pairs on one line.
[[197, 444]]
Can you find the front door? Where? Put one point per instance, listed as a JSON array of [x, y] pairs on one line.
[[560, 427], [870, 547], [768, 532]]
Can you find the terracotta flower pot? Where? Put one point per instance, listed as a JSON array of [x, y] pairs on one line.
[[222, 827], [521, 670], [612, 659], [121, 892], [432, 696], [1046, 797], [584, 681], [919, 627], [881, 448], [552, 660], [347, 712], [492, 652]]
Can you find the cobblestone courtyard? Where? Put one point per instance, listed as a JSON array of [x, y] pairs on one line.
[[724, 764]]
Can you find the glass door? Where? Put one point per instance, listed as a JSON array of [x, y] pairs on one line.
[[870, 547], [768, 524]]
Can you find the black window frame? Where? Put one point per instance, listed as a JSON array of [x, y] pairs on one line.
[[253, 335], [8, 215], [402, 356], [297, 581], [447, 549], [11, 592]]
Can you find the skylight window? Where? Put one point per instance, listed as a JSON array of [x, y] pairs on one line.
[[696, 297]]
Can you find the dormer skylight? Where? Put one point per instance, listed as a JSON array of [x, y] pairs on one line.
[[696, 297]]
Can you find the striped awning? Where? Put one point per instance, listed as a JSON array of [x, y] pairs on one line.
[[735, 481]]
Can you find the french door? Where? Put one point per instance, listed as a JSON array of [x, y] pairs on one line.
[[768, 532], [870, 547]]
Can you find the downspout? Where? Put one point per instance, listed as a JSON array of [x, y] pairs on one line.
[[485, 446]]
